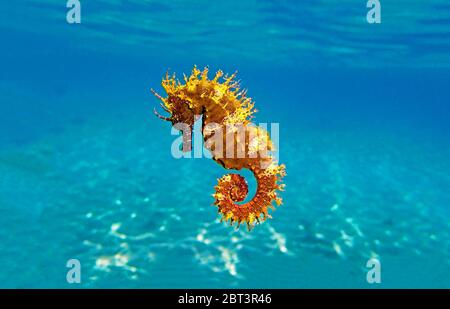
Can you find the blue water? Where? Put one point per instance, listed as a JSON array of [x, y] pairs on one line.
[[86, 170]]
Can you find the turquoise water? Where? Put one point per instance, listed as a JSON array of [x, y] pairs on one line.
[[86, 170]]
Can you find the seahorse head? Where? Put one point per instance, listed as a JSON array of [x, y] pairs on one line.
[[178, 103], [180, 110]]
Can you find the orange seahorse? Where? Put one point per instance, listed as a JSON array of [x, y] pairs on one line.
[[223, 106]]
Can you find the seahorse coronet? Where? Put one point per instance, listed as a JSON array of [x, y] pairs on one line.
[[222, 102]]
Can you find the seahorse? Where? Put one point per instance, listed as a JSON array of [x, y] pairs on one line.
[[225, 107]]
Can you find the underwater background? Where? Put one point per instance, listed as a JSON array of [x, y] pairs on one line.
[[86, 170]]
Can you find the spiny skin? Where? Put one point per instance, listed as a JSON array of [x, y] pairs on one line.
[[221, 102]]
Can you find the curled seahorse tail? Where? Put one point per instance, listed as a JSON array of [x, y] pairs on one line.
[[233, 188]]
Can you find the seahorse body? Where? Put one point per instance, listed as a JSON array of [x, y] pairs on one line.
[[223, 104]]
